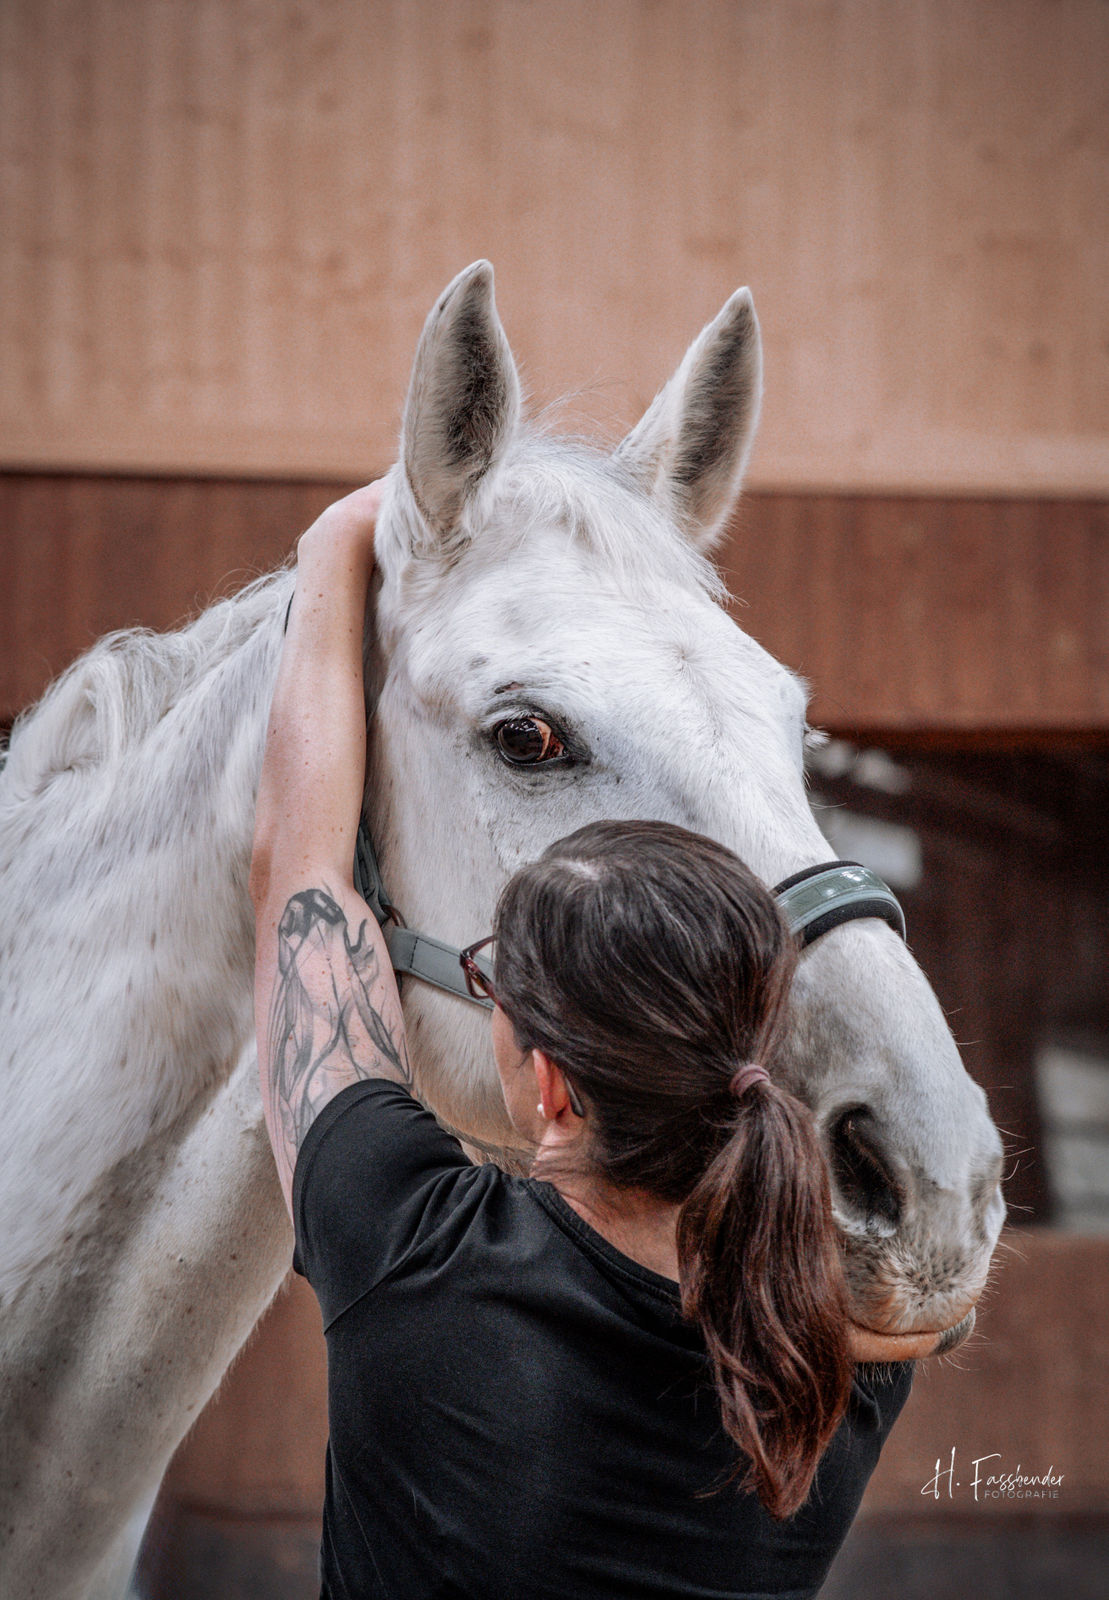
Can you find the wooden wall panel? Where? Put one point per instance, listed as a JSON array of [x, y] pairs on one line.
[[924, 616], [224, 222], [82, 556], [930, 614]]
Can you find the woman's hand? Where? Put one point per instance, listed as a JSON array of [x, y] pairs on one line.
[[310, 794], [345, 528]]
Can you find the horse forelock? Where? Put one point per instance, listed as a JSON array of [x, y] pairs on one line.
[[548, 488], [555, 481]]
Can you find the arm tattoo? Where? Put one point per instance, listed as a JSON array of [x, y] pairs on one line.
[[325, 1030]]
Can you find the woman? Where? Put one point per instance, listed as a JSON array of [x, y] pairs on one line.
[[615, 1377]]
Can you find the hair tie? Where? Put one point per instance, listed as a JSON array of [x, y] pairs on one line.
[[745, 1076]]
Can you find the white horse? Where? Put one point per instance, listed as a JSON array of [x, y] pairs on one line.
[[546, 647]]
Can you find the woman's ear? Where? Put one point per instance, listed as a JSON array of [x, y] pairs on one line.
[[554, 1096]]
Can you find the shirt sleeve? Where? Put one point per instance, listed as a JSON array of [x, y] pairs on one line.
[[375, 1177]]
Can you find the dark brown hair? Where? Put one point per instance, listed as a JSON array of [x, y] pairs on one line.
[[650, 964]]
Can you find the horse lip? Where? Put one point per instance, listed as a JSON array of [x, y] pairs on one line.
[[948, 1338], [954, 1336]]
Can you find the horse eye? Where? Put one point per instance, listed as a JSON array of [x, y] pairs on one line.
[[526, 741]]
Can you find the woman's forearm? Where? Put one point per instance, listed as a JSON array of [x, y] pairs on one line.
[[310, 792]]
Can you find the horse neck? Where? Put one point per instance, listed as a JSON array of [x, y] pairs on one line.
[[127, 1333], [135, 1171], [126, 815]]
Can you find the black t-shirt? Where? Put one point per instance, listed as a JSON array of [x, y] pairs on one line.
[[518, 1411]]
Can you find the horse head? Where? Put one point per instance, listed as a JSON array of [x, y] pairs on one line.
[[549, 647]]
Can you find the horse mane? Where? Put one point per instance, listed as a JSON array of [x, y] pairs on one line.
[[110, 699], [126, 803]]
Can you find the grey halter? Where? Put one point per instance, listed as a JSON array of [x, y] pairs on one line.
[[813, 901]]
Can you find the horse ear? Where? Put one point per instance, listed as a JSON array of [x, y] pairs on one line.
[[462, 409], [691, 445]]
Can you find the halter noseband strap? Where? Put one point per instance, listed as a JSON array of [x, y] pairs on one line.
[[820, 898], [814, 902]]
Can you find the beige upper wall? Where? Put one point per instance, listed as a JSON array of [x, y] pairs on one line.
[[224, 222]]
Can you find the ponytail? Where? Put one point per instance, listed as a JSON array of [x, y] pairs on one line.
[[761, 1273]]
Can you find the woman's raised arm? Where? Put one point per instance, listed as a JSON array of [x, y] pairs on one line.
[[327, 1009]]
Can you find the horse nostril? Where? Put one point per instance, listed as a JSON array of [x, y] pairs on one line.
[[862, 1176]]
